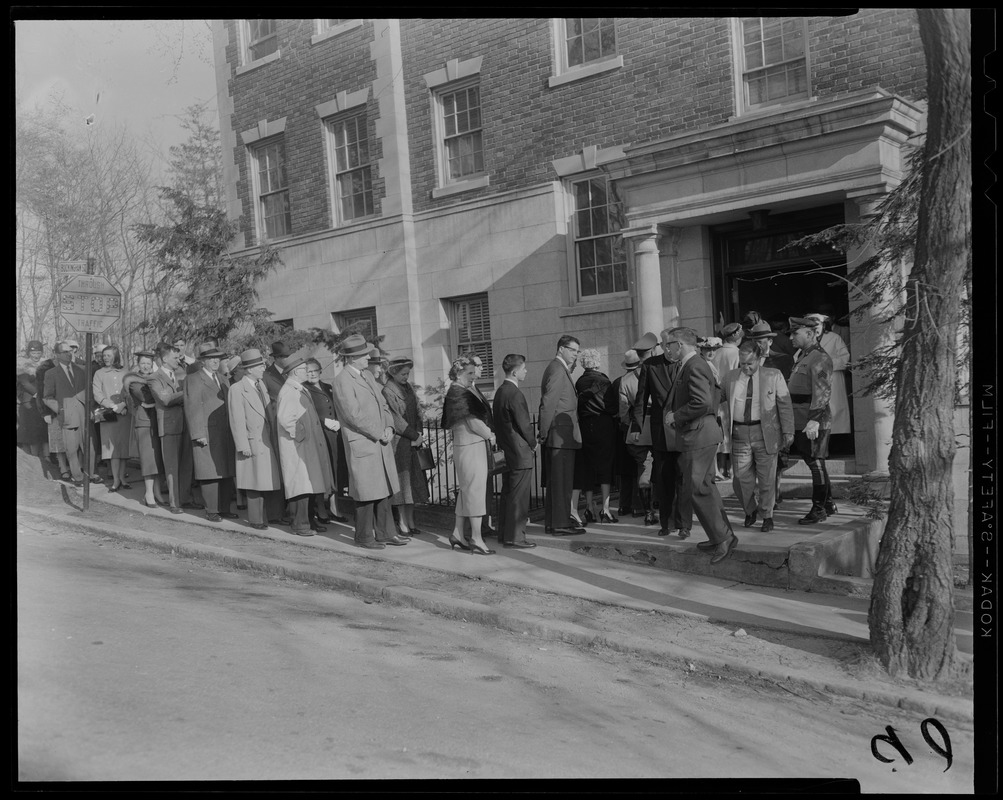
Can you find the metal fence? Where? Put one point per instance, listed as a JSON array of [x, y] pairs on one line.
[[442, 480]]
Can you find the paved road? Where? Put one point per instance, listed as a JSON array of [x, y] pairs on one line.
[[133, 665]]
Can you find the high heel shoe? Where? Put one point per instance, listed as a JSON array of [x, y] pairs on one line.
[[649, 518], [589, 516], [454, 543], [605, 516], [576, 522], [476, 548]]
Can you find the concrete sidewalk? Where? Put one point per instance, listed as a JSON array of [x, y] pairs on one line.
[[561, 565]]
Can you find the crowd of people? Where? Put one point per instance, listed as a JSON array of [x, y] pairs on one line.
[[267, 434]]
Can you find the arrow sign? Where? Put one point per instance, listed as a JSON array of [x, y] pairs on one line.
[[90, 303]]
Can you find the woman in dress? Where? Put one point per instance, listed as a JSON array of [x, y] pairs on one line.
[[55, 429], [116, 434], [143, 410], [403, 404], [32, 431], [598, 407], [465, 414], [836, 349]]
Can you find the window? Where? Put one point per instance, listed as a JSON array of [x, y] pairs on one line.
[[588, 39], [773, 59], [275, 219], [600, 253], [353, 173], [286, 324], [359, 320], [471, 332], [461, 126], [261, 39], [326, 24]]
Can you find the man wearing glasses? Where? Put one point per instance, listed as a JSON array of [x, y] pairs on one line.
[[560, 436]]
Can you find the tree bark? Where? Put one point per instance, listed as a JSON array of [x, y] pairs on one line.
[[912, 602]]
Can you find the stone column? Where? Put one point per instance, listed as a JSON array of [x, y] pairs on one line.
[[647, 278], [872, 417]]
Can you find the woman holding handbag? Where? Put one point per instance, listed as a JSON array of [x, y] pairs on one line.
[[465, 414], [408, 438], [112, 415], [139, 397]]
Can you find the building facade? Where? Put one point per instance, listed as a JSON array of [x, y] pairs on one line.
[[491, 184]]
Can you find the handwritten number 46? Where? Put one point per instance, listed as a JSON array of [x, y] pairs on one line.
[[943, 749]]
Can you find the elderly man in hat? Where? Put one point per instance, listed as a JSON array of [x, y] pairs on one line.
[[252, 423], [306, 465], [64, 393], [377, 365], [273, 377], [213, 454], [655, 383], [759, 412], [636, 475], [810, 387], [764, 336], [367, 429]]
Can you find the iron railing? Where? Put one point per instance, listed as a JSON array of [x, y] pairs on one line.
[[442, 480]]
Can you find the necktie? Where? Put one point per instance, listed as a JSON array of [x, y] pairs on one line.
[[748, 401], [262, 392], [216, 379]]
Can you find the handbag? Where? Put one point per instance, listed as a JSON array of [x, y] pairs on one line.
[[425, 458], [496, 462], [104, 415]]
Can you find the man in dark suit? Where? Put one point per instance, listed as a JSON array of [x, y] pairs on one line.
[[560, 436], [273, 377], [693, 415], [64, 393], [213, 455], [655, 382], [176, 446], [514, 434]]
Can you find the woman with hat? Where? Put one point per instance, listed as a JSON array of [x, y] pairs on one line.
[[213, 457], [598, 405], [252, 423], [113, 415], [467, 418], [323, 399], [306, 465], [403, 404], [32, 431], [143, 410]]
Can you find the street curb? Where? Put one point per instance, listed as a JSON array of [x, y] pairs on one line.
[[953, 709]]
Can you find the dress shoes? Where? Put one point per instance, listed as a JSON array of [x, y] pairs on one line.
[[817, 514], [664, 531], [706, 546], [767, 525], [259, 526], [228, 515], [396, 541], [750, 519], [650, 519], [214, 517], [566, 531], [683, 533], [830, 508], [176, 510], [318, 529], [723, 550], [373, 545], [520, 545], [307, 532]]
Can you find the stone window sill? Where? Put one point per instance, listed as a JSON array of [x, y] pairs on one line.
[[466, 185], [259, 63], [330, 33], [585, 71], [596, 306]]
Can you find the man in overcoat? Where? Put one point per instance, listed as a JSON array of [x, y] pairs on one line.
[[64, 393], [252, 423], [693, 415], [514, 434], [273, 377], [759, 413], [655, 382], [367, 431], [167, 386], [213, 453], [560, 436]]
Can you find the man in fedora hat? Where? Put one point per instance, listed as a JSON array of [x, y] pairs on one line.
[[764, 336], [377, 365], [367, 428], [252, 423], [810, 387], [213, 454], [167, 386], [273, 376]]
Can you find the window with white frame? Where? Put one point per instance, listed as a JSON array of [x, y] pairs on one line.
[[588, 39], [773, 59], [260, 39], [327, 24], [462, 147], [358, 320], [272, 189], [471, 331], [600, 252], [352, 167]]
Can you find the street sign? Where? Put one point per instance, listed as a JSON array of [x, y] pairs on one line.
[[73, 267], [90, 304]]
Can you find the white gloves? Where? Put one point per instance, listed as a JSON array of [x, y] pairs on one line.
[[332, 424], [811, 429]]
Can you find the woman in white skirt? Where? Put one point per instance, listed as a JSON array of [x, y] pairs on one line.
[[116, 433]]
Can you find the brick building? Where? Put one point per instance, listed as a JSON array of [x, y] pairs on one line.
[[490, 184]]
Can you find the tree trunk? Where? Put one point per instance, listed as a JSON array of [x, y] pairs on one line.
[[912, 603]]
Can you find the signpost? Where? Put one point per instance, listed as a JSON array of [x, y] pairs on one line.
[[89, 304]]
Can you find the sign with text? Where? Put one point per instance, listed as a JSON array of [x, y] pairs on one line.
[[73, 267], [90, 303]]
